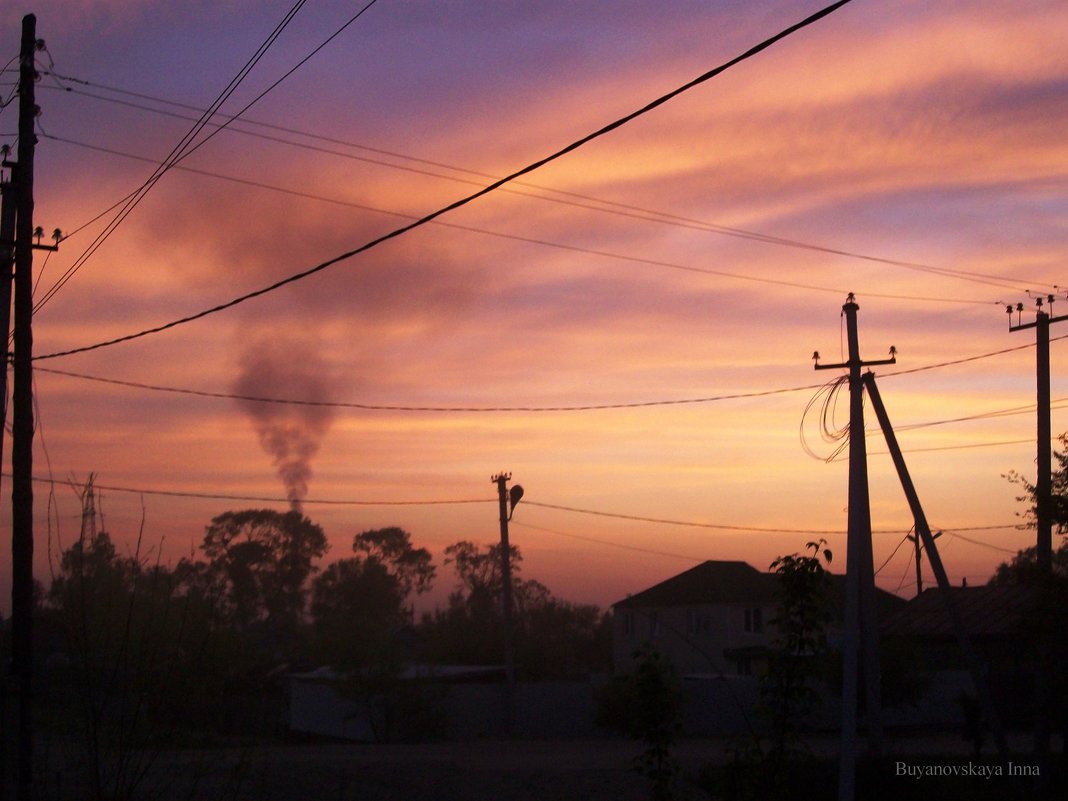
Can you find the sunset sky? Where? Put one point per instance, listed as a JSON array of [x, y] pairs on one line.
[[675, 274]]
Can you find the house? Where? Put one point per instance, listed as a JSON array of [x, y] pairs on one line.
[[714, 619], [995, 619], [1000, 624]]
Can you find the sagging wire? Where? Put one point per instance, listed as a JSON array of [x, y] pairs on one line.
[[830, 432]]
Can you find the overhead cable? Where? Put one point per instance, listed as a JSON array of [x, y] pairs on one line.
[[569, 198], [187, 147], [262, 499], [466, 501], [475, 409], [526, 239], [469, 198]]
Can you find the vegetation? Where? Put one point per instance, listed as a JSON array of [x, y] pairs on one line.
[[553, 638], [139, 657], [788, 694], [646, 704], [1048, 618]]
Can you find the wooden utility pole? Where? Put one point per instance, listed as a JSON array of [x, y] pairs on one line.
[[22, 420], [7, 260], [860, 617], [501, 480], [7, 255]]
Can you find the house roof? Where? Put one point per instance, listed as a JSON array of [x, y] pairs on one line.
[[710, 582], [986, 611], [718, 582]]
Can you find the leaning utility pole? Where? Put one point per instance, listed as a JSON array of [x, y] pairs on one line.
[[1043, 482], [22, 420], [860, 618], [923, 532]]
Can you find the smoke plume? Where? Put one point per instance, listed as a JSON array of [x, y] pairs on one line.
[[289, 433]]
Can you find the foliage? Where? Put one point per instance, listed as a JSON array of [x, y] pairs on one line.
[[552, 638], [646, 704], [411, 567], [1023, 568], [132, 667], [788, 697], [1058, 491], [260, 562], [361, 626], [787, 691]]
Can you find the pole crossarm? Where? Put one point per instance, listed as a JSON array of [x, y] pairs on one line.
[[1039, 314], [855, 362], [845, 365]]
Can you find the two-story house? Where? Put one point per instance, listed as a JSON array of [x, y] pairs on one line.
[[711, 619], [714, 619]]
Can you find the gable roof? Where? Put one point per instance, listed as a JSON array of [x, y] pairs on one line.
[[716, 582], [710, 582], [986, 611]]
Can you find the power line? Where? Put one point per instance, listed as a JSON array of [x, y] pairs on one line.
[[966, 359], [575, 145], [610, 543], [892, 555], [514, 237], [260, 498], [688, 523], [558, 408], [565, 197], [182, 148], [467, 501], [187, 148], [402, 408], [1057, 403], [981, 543]]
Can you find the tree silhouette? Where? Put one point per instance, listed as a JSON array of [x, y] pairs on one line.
[[261, 561]]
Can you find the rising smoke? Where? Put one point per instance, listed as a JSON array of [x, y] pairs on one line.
[[289, 433]]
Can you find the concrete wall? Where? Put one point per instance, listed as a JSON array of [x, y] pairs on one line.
[[470, 710]]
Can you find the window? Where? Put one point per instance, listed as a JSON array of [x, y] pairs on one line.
[[654, 625], [754, 620], [691, 622], [628, 624]]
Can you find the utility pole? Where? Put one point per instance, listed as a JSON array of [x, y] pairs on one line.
[[1043, 509], [1043, 482], [7, 259], [7, 256], [860, 618], [503, 496], [22, 420], [917, 542]]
